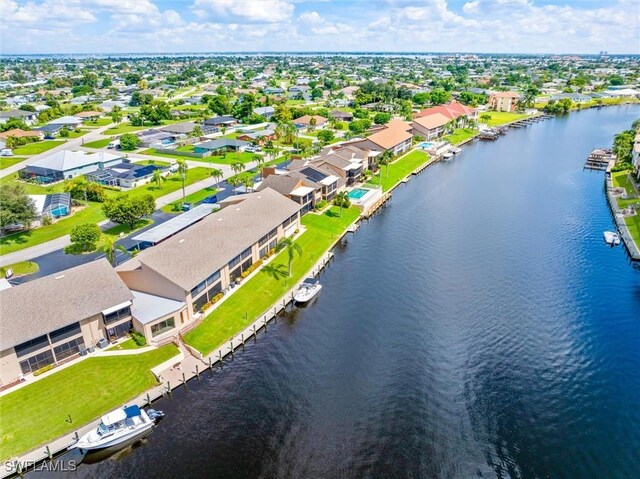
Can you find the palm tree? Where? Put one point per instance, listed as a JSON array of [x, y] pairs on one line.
[[485, 117], [247, 181], [157, 178], [217, 174], [79, 183], [237, 167], [182, 171], [109, 247], [259, 159], [342, 199], [287, 132], [234, 181], [292, 248]]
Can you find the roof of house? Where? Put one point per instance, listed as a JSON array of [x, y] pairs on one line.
[[220, 143], [66, 120], [306, 120], [389, 137], [16, 114], [149, 307], [452, 110], [65, 160], [264, 109], [19, 133], [180, 128], [399, 123], [434, 120], [340, 114], [49, 128], [45, 304], [193, 254], [220, 120], [88, 114], [257, 134], [287, 183]]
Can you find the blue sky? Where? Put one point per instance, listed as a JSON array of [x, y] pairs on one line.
[[503, 26]]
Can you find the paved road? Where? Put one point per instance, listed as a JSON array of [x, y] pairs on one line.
[[43, 249], [65, 145]]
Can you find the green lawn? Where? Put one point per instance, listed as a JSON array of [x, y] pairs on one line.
[[77, 134], [24, 239], [116, 230], [32, 188], [633, 223], [91, 214], [125, 345], [152, 162], [124, 128], [621, 179], [295, 102], [397, 170], [229, 158], [38, 413], [37, 148], [460, 134], [98, 143], [259, 293], [99, 122], [192, 198], [21, 268], [502, 117], [7, 161]]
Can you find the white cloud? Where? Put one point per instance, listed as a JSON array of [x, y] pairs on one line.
[[260, 11], [471, 7], [311, 18]]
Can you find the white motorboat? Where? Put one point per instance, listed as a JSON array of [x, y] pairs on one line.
[[612, 238], [117, 427], [447, 156], [455, 151], [309, 288]]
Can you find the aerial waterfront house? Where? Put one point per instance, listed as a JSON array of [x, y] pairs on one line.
[[504, 101], [395, 139], [67, 164], [198, 263], [51, 319], [430, 126]]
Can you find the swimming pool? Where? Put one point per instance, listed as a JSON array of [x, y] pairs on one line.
[[357, 193], [427, 145]]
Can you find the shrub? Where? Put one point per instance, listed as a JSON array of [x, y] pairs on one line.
[[46, 220], [138, 338], [321, 205], [44, 369], [251, 269], [64, 133]]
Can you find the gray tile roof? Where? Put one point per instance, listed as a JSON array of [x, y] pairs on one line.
[[40, 306], [193, 254], [285, 184]]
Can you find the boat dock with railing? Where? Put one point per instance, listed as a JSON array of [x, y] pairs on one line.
[[600, 159]]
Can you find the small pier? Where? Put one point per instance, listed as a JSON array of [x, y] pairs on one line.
[[600, 159], [488, 135], [384, 198], [353, 227]]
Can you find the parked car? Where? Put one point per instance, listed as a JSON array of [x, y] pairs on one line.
[[6, 152], [253, 149], [210, 200], [186, 206], [114, 144]]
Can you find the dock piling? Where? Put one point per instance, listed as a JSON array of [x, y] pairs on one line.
[[184, 380], [148, 400], [49, 455], [197, 372], [169, 388], [210, 364]]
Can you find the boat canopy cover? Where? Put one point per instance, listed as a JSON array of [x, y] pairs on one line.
[[114, 417], [132, 411]]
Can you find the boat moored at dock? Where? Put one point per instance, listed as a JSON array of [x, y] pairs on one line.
[[308, 290], [118, 427], [611, 238]]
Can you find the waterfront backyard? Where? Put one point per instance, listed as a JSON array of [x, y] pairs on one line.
[[40, 412], [393, 173], [260, 292]]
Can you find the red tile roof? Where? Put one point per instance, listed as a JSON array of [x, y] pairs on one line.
[[452, 110]]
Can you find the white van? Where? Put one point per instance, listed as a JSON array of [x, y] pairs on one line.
[[114, 144]]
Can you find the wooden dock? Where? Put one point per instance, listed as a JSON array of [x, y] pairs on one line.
[[600, 159]]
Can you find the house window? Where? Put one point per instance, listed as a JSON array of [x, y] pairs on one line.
[[68, 349], [64, 333], [199, 289], [36, 362], [235, 261], [117, 315], [267, 237], [290, 220], [31, 346], [120, 330], [162, 326]]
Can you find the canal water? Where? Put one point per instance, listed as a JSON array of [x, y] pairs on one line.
[[476, 327]]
